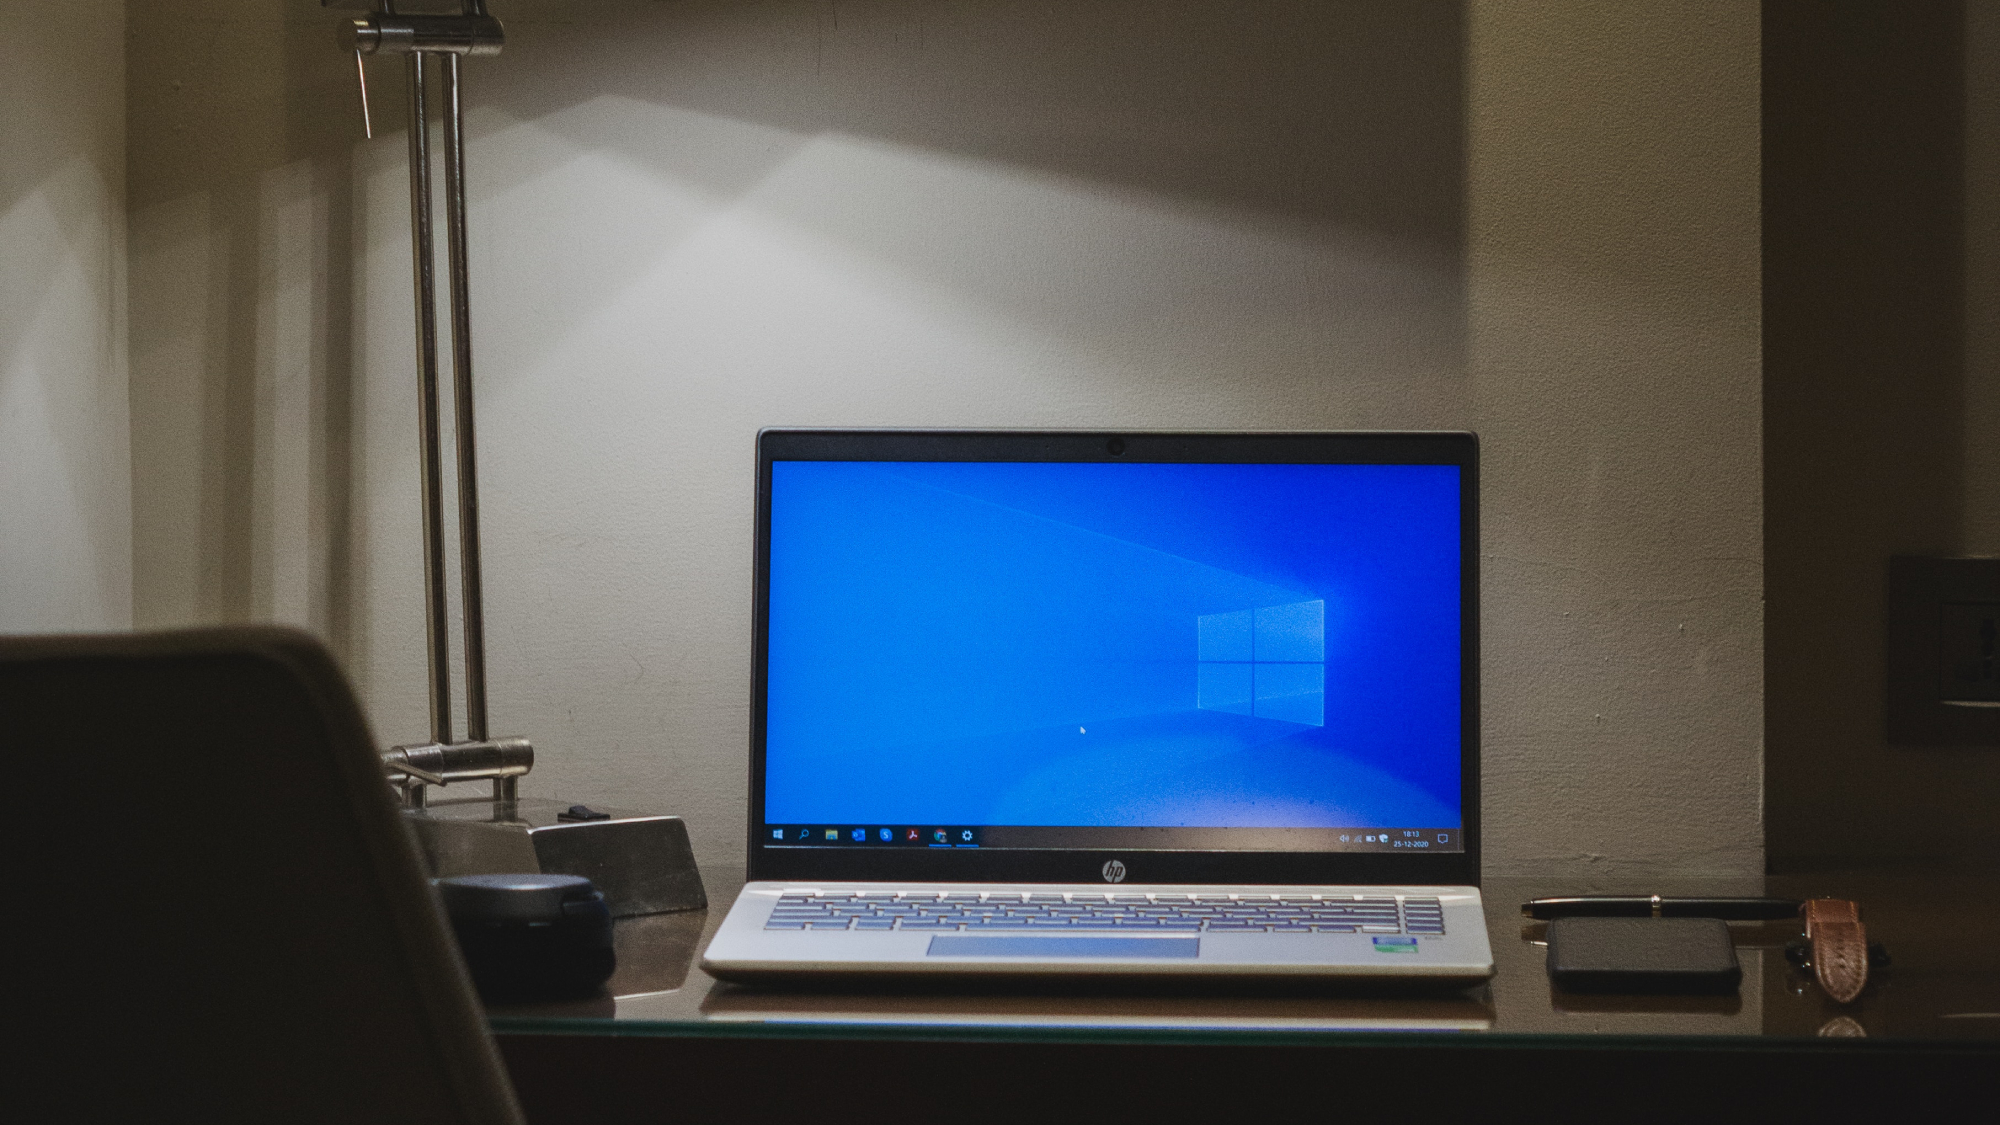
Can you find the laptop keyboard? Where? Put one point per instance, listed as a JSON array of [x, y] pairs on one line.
[[993, 911]]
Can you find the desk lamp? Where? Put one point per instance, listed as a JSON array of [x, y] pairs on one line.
[[643, 863]]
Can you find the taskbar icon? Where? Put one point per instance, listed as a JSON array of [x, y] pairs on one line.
[[871, 835]]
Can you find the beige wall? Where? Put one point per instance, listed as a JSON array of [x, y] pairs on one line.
[[1613, 358], [693, 220], [1882, 403], [65, 490]]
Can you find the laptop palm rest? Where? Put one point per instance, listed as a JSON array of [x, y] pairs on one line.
[[979, 945]]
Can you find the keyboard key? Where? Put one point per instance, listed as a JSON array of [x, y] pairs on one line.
[[875, 924], [777, 924]]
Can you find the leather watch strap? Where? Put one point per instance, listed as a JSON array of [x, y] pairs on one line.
[[1839, 946]]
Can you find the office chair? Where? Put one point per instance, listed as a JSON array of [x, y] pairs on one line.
[[225, 917]]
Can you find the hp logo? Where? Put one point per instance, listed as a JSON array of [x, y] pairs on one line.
[[1114, 871]]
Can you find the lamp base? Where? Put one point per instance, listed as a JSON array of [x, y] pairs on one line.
[[643, 863]]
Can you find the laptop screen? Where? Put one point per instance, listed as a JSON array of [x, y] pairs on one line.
[[1110, 655]]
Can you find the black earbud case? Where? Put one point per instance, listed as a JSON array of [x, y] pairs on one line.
[[531, 937]]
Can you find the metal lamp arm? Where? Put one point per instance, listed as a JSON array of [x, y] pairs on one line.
[[419, 37]]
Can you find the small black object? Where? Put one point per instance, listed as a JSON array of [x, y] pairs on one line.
[[582, 812], [1686, 956], [531, 937]]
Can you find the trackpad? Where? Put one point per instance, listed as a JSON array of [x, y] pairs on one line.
[[979, 945]]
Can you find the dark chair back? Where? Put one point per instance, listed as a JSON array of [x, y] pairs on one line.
[[225, 917]]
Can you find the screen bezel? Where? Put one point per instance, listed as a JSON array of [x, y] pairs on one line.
[[1141, 866]]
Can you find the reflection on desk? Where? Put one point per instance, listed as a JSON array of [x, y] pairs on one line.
[[1944, 985], [1196, 1013]]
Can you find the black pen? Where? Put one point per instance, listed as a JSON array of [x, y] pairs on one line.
[[1662, 906]]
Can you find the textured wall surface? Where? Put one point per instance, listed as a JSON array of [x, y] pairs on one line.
[[1614, 363], [65, 488], [690, 221]]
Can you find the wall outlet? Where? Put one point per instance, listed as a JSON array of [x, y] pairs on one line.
[[1944, 652]]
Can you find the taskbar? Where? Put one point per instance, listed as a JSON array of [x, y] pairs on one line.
[[1087, 838], [871, 835]]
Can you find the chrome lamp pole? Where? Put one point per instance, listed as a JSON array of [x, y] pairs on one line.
[[445, 38], [643, 862]]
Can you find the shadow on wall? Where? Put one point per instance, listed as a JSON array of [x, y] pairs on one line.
[[240, 189], [1867, 380], [1085, 173], [1337, 115]]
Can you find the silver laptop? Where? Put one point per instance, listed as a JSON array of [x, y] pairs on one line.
[[1113, 705]]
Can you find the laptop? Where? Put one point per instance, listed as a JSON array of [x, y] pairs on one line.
[[1113, 705]]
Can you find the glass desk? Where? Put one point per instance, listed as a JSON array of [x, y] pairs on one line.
[[1931, 1018]]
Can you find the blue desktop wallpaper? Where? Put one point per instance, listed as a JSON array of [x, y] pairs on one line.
[[1159, 645]]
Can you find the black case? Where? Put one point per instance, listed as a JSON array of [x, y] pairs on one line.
[[1643, 955]]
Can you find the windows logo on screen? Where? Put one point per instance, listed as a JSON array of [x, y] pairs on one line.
[[1268, 663]]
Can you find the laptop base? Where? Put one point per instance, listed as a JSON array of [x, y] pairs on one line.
[[792, 933]]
